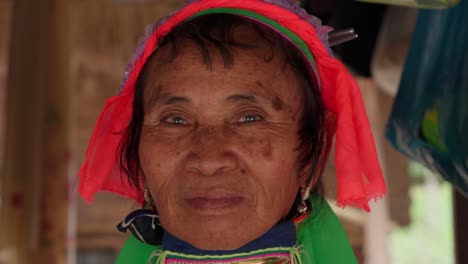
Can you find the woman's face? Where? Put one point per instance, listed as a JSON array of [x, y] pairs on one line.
[[218, 146]]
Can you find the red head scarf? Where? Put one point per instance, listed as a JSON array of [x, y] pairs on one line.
[[358, 172]]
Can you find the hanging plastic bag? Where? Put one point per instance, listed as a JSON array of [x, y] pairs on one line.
[[392, 46], [429, 122], [437, 4]]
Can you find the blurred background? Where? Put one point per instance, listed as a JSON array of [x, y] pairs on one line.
[[61, 59]]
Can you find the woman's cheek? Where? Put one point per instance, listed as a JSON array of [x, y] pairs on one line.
[[267, 141], [158, 158], [254, 146], [267, 150]]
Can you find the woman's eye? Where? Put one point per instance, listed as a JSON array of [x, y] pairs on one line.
[[175, 120], [250, 118]]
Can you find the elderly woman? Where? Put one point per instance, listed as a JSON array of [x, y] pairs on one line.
[[221, 131]]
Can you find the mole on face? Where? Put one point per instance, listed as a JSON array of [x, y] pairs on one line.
[[267, 151], [277, 104]]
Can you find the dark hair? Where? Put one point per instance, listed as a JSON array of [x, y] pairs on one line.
[[218, 31]]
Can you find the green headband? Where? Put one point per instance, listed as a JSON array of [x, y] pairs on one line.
[[291, 36]]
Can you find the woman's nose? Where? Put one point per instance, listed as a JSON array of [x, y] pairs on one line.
[[211, 152]]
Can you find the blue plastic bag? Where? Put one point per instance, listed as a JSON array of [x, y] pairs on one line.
[[429, 122]]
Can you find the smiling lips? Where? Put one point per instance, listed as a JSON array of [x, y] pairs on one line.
[[214, 203]]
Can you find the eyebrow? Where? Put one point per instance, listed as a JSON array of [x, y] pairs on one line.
[[250, 98], [167, 99]]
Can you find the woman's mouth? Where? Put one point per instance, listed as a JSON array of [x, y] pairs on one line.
[[212, 203]]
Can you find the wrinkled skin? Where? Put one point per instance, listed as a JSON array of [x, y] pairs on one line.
[[218, 148]]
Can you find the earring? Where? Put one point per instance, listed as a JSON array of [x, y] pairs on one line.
[[148, 199], [303, 207]]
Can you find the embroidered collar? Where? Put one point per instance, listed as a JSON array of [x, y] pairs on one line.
[[262, 256]]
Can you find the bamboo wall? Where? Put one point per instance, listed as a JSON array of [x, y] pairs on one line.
[[34, 180], [61, 50], [83, 67]]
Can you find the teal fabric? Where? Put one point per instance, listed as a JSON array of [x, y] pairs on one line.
[[433, 96], [321, 236]]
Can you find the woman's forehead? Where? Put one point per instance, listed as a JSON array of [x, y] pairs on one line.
[[243, 36], [259, 65], [258, 72]]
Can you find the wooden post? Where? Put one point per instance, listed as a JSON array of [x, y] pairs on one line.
[[461, 228], [35, 184], [22, 147], [54, 200], [375, 230]]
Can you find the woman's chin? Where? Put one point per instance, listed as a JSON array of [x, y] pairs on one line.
[[220, 232]]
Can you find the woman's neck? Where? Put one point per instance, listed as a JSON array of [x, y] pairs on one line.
[[281, 235]]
